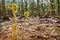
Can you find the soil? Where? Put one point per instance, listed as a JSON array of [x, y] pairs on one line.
[[34, 29]]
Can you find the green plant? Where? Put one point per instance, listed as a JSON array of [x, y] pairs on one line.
[[14, 26]]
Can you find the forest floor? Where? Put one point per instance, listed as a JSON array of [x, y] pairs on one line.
[[35, 29]]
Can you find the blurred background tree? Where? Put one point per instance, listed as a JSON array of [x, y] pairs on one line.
[[58, 7], [3, 14], [35, 7]]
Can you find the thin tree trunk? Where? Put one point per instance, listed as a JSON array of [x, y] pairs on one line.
[[59, 7], [38, 8], [13, 1], [4, 15], [19, 5], [22, 7], [25, 5], [52, 7]]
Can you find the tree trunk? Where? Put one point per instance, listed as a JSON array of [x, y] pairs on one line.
[[52, 7], [38, 8], [59, 7], [13, 1], [32, 7], [3, 14], [22, 7], [19, 5], [25, 5]]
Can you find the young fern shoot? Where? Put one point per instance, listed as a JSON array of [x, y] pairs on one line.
[[26, 15], [14, 26]]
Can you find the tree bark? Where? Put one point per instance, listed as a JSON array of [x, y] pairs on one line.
[[25, 5], [13, 1], [52, 7], [22, 7], [59, 7], [3, 14], [38, 8]]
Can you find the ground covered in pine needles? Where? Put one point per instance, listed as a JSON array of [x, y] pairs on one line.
[[35, 29]]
